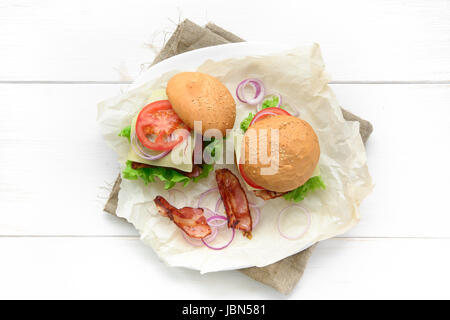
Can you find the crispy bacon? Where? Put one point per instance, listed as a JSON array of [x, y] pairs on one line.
[[235, 201], [267, 195], [190, 220], [196, 169], [138, 165]]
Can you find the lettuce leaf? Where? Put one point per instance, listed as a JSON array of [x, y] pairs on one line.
[[268, 103], [126, 132], [246, 122], [299, 194], [206, 169], [169, 176]]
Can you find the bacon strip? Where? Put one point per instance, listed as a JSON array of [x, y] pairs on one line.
[[235, 201], [267, 195], [196, 171], [190, 220]]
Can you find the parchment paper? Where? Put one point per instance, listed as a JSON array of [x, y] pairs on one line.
[[284, 274], [299, 76]]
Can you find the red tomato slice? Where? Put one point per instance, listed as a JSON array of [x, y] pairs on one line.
[[159, 120], [268, 112], [247, 179]]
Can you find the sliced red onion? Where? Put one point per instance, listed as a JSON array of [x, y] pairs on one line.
[[293, 111], [256, 205], [202, 195], [218, 203], [308, 224], [198, 242], [254, 201], [257, 214], [141, 153], [259, 91], [257, 116], [270, 96], [205, 241], [209, 213]]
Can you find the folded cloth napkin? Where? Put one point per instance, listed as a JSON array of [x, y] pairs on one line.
[[284, 274]]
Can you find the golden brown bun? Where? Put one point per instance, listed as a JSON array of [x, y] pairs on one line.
[[198, 96], [299, 153]]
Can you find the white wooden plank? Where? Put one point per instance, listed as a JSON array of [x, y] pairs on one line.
[[107, 268], [52, 153], [55, 167], [408, 156], [88, 40], [55, 124]]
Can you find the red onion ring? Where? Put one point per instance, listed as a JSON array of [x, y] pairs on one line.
[[256, 205], [259, 91], [270, 96], [209, 213], [202, 195], [255, 220], [227, 244], [141, 153], [293, 111], [257, 116], [198, 242], [218, 203], [308, 216]]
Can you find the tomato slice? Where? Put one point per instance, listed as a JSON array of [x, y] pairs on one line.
[[247, 179], [158, 120], [264, 113]]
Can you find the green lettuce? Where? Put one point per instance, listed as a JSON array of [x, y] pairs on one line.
[[206, 169], [214, 148], [270, 103], [126, 132], [267, 103], [299, 194], [169, 176], [246, 122]]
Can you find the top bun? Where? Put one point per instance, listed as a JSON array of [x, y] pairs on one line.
[[198, 96], [299, 153]]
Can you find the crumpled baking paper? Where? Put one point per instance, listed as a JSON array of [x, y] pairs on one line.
[[299, 76]]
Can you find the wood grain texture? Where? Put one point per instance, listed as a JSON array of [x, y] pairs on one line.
[[51, 150], [69, 160], [361, 40], [111, 268]]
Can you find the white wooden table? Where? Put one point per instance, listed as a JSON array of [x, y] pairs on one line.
[[390, 62]]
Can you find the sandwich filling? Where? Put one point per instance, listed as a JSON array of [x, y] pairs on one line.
[[175, 167]]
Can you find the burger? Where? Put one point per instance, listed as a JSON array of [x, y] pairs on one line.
[[163, 129], [278, 156]]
